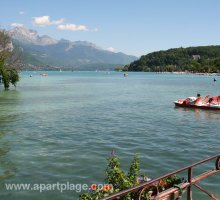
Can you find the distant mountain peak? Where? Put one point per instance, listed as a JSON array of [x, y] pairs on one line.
[[45, 51], [29, 36]]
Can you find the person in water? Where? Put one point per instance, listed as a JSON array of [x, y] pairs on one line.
[[214, 80]]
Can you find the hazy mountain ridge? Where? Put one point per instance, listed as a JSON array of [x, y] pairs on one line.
[[44, 51]]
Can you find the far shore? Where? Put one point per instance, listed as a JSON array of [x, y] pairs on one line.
[[177, 72], [198, 73]]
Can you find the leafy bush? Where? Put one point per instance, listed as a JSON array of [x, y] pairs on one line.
[[117, 180]]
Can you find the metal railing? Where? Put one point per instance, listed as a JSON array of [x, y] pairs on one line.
[[174, 191]]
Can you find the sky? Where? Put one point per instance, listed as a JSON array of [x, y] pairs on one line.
[[132, 27]]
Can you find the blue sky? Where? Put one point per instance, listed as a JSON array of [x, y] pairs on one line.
[[133, 27]]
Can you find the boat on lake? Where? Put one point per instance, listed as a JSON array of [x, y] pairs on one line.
[[208, 103], [44, 74]]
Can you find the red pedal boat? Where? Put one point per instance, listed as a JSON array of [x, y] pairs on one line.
[[209, 103]]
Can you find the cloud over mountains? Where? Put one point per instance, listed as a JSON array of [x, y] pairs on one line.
[[46, 21]]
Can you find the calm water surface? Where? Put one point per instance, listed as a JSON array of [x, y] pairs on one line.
[[61, 128]]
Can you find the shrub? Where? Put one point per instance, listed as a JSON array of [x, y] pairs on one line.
[[117, 180]]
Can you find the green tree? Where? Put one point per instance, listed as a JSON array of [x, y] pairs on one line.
[[179, 59], [9, 59]]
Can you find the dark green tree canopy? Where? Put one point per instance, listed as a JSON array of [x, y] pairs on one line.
[[8, 61], [193, 59]]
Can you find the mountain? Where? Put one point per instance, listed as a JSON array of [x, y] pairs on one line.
[[44, 52], [193, 59], [28, 36]]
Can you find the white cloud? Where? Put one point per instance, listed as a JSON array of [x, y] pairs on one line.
[[41, 21], [17, 24], [72, 27], [21, 12], [45, 21], [111, 49]]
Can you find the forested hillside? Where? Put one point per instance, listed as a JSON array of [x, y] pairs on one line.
[[193, 59]]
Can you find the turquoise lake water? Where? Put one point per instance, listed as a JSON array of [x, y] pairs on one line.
[[63, 127]]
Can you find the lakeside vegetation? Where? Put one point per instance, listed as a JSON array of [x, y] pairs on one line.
[[203, 59], [117, 180], [9, 59]]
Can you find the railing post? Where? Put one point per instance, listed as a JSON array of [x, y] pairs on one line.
[[217, 163], [189, 189], [139, 189]]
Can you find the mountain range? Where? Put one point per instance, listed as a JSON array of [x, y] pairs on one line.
[[47, 53]]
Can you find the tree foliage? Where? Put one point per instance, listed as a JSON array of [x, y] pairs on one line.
[[9, 59], [192, 59]]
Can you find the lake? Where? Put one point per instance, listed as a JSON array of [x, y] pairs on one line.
[[63, 127]]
